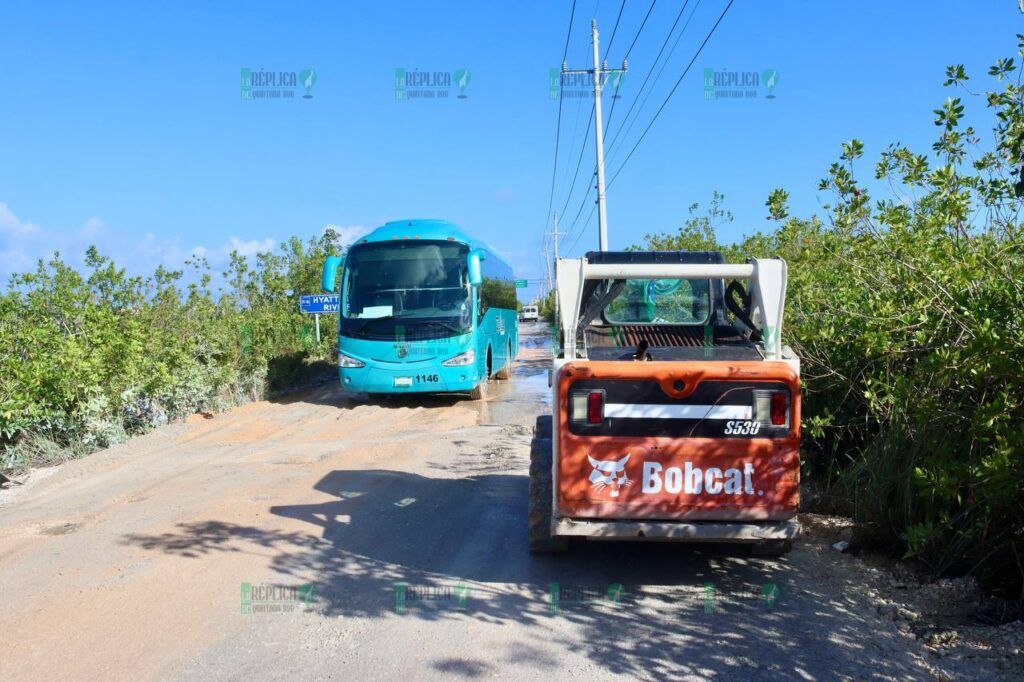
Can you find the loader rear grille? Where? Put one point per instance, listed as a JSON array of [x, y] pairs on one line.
[[629, 335], [661, 335]]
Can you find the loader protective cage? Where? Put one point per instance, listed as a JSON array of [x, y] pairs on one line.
[[578, 279]]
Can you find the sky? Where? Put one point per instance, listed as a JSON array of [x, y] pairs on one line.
[[124, 124]]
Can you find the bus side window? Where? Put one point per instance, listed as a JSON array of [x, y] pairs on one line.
[[497, 293], [498, 290]]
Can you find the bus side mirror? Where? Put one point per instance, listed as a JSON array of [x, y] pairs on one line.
[[473, 263], [329, 277]]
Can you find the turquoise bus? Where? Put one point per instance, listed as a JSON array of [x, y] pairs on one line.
[[424, 308]]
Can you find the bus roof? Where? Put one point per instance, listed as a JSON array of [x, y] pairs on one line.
[[426, 229]]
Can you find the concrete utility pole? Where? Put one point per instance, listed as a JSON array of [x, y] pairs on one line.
[[598, 71], [555, 234], [547, 271]]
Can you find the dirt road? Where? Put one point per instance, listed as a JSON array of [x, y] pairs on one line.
[[388, 540]]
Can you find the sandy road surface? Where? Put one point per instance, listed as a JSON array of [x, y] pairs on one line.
[[389, 540]]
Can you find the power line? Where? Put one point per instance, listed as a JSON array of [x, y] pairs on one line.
[[651, 70], [647, 129], [598, 72], [590, 122], [558, 125], [624, 129], [572, 138], [672, 92], [630, 50], [586, 135], [583, 200], [586, 194], [568, 34], [579, 161], [640, 30], [615, 29], [583, 227], [576, 218]]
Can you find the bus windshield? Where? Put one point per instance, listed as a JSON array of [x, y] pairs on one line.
[[406, 289]]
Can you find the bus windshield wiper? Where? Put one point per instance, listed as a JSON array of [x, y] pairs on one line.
[[439, 324], [366, 324], [408, 318]]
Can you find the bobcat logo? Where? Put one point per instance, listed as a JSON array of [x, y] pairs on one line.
[[609, 472]]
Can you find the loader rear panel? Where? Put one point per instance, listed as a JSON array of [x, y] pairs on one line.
[[678, 440]]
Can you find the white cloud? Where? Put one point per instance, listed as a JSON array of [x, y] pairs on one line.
[[347, 234], [151, 248], [93, 227], [247, 248], [11, 227], [23, 242]]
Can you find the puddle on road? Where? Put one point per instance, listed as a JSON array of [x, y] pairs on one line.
[[534, 386], [521, 399], [534, 336]]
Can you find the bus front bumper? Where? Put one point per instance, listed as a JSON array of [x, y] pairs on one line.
[[410, 379]]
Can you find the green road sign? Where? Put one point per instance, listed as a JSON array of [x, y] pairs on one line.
[[520, 284]]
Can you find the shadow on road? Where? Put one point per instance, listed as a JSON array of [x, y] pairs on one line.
[[460, 547]]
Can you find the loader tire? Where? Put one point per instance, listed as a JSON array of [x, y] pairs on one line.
[[543, 427], [541, 539]]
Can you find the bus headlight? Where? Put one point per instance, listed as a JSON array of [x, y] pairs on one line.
[[461, 360], [347, 362]]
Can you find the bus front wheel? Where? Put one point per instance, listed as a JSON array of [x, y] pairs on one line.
[[479, 392]]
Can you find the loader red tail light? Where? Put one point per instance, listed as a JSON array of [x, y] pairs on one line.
[[779, 409], [595, 407], [587, 408], [771, 408]]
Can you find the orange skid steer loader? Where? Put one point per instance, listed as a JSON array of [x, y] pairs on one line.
[[676, 408]]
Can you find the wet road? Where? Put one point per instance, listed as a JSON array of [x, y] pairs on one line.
[[323, 536]]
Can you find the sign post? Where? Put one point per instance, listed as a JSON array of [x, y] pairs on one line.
[[317, 305], [520, 284]]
